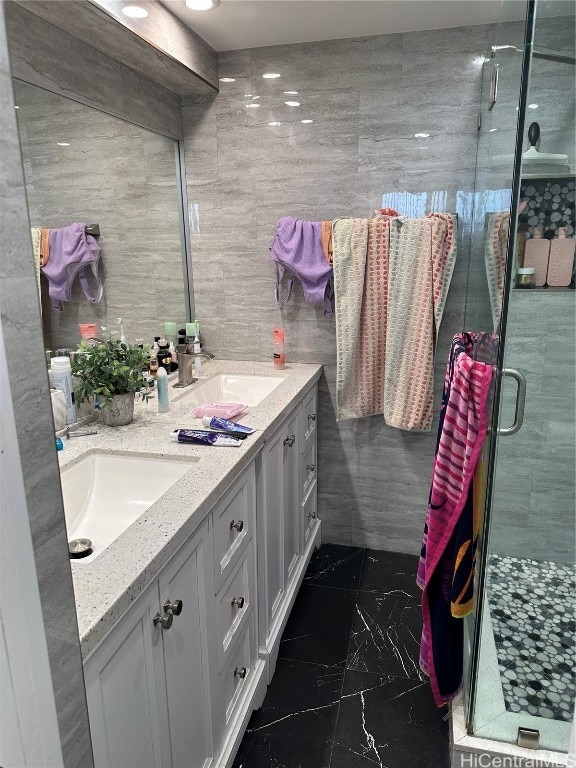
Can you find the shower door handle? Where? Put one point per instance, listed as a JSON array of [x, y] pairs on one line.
[[520, 400]]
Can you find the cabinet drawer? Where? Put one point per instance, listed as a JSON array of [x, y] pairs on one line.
[[233, 525], [309, 416], [233, 604], [235, 674], [308, 474]]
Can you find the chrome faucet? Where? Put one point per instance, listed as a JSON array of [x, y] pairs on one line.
[[186, 367]]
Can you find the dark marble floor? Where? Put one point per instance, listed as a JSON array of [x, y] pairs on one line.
[[348, 692]]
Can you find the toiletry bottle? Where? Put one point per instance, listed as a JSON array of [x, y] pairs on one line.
[[278, 345], [536, 255], [561, 259], [520, 248], [164, 356], [174, 356], [162, 386], [197, 351], [62, 380]]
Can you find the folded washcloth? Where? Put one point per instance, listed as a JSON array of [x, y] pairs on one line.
[[222, 410]]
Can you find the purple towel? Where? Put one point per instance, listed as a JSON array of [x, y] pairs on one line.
[[72, 252], [297, 249]]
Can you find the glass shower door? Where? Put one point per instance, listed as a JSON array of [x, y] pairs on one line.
[[523, 660]]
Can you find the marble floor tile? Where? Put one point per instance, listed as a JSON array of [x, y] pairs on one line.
[[319, 626], [390, 572], [390, 723], [295, 726], [385, 636], [333, 565]]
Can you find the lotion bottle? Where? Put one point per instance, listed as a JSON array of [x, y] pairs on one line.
[[561, 259], [197, 351], [62, 380], [536, 255], [162, 387], [279, 349]]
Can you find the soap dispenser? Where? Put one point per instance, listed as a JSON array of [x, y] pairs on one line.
[[536, 255], [561, 259]]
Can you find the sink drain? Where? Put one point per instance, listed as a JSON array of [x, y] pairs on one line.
[[78, 548]]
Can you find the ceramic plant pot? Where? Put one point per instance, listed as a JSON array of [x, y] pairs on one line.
[[119, 412]]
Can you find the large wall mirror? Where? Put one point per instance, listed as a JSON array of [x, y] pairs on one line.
[[82, 165]]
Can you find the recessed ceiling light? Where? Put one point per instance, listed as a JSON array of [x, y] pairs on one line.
[[306, 121], [62, 143], [252, 105], [421, 135], [493, 129], [271, 75], [202, 5], [292, 103], [227, 79], [255, 97], [247, 95], [16, 106], [275, 123], [134, 12], [290, 93], [532, 106]]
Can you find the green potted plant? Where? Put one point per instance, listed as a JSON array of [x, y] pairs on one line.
[[112, 371]]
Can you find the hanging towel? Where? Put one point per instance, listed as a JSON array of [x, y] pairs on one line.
[[421, 262], [297, 250], [72, 253], [360, 286], [495, 259], [44, 247], [446, 567], [327, 240]]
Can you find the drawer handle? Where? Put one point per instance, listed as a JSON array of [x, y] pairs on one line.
[[238, 602], [311, 417], [165, 620], [174, 608], [240, 672], [312, 514], [238, 524], [289, 441], [310, 467]]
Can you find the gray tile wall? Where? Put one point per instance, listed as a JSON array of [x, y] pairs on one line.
[[367, 97], [87, 74], [534, 487], [31, 403], [122, 177]]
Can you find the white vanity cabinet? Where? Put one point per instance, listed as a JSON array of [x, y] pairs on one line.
[[174, 682], [147, 683]]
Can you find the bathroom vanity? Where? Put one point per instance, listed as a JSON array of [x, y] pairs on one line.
[[181, 616]]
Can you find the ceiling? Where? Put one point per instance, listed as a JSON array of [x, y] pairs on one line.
[[254, 23]]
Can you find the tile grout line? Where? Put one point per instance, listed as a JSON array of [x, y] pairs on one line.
[[346, 660]]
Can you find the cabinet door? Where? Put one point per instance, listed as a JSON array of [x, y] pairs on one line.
[[186, 665], [126, 701], [291, 497]]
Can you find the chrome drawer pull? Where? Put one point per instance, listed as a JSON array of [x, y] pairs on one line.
[[311, 417], [165, 620], [289, 441], [310, 467], [239, 525], [240, 672], [238, 602], [174, 608]]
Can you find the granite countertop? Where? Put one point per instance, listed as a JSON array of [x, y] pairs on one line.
[[105, 587]]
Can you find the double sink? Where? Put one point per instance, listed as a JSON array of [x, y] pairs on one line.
[[106, 493]]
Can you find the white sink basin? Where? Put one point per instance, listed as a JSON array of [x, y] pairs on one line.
[[227, 388], [105, 494]]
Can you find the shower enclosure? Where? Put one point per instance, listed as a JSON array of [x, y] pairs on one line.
[[519, 678]]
